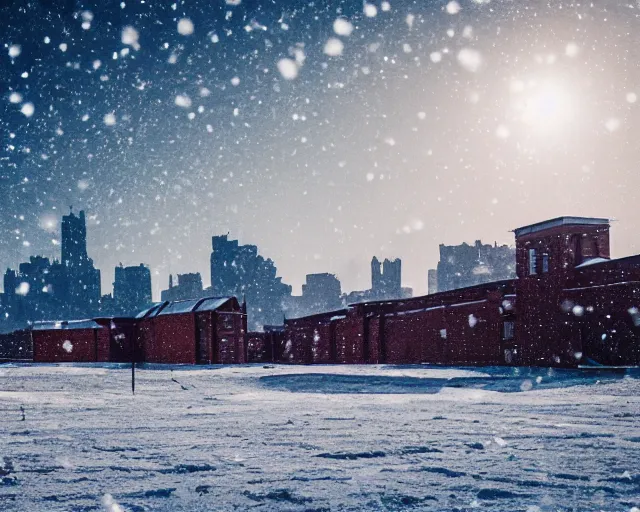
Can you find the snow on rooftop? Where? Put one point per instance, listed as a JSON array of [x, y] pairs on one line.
[[561, 221], [48, 325], [180, 306], [592, 261], [212, 303]]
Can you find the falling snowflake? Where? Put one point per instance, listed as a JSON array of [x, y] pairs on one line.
[[571, 50], [470, 59], [288, 68], [109, 119], [130, 37], [185, 27], [23, 289], [14, 50], [182, 100], [28, 109], [453, 7], [333, 47], [370, 10], [342, 27], [612, 124]]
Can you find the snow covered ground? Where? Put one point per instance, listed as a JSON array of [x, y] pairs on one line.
[[318, 438]]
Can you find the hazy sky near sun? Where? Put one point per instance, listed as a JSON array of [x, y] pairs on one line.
[[439, 122]]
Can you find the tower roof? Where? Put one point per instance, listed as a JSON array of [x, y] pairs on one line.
[[561, 221]]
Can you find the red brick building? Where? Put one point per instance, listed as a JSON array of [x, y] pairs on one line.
[[198, 331], [576, 305], [79, 341], [570, 305]]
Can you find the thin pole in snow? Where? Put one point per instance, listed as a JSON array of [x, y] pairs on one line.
[[133, 365]]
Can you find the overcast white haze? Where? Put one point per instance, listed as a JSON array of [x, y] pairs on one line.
[[432, 122]]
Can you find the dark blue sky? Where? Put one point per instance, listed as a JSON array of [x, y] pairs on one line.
[[430, 127]]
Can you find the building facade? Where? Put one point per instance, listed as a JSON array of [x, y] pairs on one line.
[[321, 292], [82, 278], [189, 286], [570, 305], [239, 271], [466, 265], [42, 289], [132, 288]]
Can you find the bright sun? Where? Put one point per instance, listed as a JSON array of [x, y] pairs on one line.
[[545, 107]]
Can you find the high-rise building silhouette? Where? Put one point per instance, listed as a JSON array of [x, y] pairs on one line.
[[432, 281], [468, 265], [239, 270], [83, 279], [132, 288], [189, 286], [42, 289], [386, 282], [320, 293], [74, 240]]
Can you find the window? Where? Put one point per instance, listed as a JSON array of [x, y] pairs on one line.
[[227, 322], [508, 330], [545, 263], [532, 262], [443, 334]]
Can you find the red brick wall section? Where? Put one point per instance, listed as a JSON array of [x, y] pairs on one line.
[[230, 336], [401, 334], [51, 347], [372, 340], [301, 337], [321, 343], [173, 340], [227, 345], [474, 333], [258, 347], [103, 345], [143, 339], [122, 339], [606, 320], [16, 346], [349, 334]]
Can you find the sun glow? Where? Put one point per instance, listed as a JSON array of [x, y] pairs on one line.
[[546, 106]]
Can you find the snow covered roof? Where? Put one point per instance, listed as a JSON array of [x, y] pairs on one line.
[[193, 305], [212, 303], [624, 261], [592, 261], [151, 311], [50, 325], [560, 221], [179, 306]]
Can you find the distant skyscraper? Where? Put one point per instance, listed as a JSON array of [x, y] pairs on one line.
[[189, 287], [322, 292], [432, 281], [386, 282], [238, 270], [74, 240], [45, 290], [468, 265], [83, 279], [132, 288]]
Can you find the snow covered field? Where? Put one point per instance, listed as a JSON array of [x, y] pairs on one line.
[[318, 438]]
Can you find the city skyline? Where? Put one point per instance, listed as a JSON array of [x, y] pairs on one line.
[[108, 275], [167, 137]]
